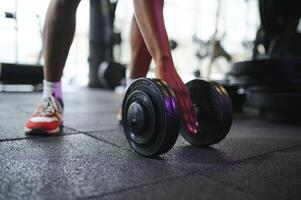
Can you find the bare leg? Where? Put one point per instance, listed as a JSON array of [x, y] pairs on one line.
[[149, 16], [140, 57], [58, 35]]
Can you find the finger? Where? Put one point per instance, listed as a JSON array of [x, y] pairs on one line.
[[190, 111], [186, 110], [185, 95], [184, 115]]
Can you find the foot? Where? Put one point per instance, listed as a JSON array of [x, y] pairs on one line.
[[119, 115], [122, 90], [47, 119]]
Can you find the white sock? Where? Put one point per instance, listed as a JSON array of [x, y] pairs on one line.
[[52, 89]]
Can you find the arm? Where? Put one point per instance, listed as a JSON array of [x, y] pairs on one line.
[[149, 16]]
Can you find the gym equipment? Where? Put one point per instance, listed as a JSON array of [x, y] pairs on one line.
[[286, 46], [277, 98], [237, 94], [110, 74], [214, 112], [102, 37], [281, 103], [10, 15], [266, 72], [273, 86], [151, 118], [287, 15], [213, 49], [173, 44], [21, 74], [17, 73], [272, 80]]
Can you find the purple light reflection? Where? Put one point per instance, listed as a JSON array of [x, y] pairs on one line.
[[167, 104]]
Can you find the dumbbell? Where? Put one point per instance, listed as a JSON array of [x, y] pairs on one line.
[[110, 74], [151, 116]]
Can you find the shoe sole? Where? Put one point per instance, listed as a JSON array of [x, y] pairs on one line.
[[41, 131]]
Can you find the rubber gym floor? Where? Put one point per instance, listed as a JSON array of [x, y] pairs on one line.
[[91, 159]]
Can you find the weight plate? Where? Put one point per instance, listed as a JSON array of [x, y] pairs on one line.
[[110, 74], [275, 98], [227, 110], [237, 96], [173, 115], [269, 71], [13, 73], [172, 97], [212, 113], [148, 120]]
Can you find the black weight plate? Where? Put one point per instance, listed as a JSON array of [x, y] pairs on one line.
[[247, 81], [160, 124], [209, 103], [226, 109], [237, 98], [140, 117], [274, 98], [283, 89], [269, 70], [173, 98], [173, 114], [13, 73], [110, 74], [228, 112], [266, 66]]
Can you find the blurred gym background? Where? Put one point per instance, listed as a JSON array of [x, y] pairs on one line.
[[186, 22], [252, 47]]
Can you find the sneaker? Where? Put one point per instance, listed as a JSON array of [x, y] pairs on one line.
[[119, 115], [125, 83], [47, 119]]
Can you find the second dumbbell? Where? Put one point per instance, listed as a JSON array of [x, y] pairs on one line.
[[151, 118]]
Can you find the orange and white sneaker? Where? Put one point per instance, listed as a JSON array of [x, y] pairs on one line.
[[47, 119]]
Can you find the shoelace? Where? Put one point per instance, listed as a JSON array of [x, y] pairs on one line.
[[47, 107]]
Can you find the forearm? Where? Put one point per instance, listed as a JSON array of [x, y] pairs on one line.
[[149, 16]]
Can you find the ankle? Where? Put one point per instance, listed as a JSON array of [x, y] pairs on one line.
[[52, 89]]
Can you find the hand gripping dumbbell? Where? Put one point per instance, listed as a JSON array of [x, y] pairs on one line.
[[151, 116]]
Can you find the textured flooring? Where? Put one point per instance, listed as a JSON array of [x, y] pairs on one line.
[[91, 159]]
